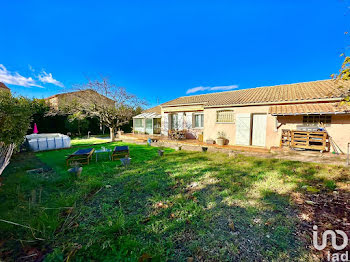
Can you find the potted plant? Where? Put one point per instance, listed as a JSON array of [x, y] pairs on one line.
[[221, 139], [76, 169], [161, 149], [125, 161]]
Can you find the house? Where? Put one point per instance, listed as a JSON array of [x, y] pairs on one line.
[[83, 96], [148, 122], [3, 87], [256, 116]]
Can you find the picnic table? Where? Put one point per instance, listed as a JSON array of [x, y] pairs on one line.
[[82, 156]]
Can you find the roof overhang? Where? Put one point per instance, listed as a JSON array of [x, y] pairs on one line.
[[309, 109], [187, 104], [277, 102], [319, 113]]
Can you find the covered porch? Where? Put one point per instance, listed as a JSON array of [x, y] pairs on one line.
[[314, 126]]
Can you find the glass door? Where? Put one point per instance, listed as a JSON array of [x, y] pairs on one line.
[[149, 126]]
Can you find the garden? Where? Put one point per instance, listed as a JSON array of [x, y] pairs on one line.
[[183, 206]]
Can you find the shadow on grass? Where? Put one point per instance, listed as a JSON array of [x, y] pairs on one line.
[[185, 204]]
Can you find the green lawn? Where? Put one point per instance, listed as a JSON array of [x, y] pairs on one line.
[[205, 206]]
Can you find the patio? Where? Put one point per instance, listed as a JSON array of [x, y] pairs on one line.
[[278, 153], [168, 141]]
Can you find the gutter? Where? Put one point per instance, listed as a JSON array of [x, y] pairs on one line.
[[189, 104], [313, 113]]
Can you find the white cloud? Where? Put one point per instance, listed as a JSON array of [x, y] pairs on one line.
[[14, 78], [210, 88], [47, 78]]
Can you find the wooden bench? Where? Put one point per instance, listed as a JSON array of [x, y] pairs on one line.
[[82, 156], [120, 152]]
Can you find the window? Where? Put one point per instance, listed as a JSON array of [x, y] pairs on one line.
[[138, 122], [174, 121], [225, 116], [198, 120], [315, 120]]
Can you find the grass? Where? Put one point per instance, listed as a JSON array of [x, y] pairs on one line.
[[186, 204]]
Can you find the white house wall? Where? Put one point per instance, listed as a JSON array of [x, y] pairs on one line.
[[185, 121], [165, 124]]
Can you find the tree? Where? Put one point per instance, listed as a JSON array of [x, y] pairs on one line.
[[344, 75], [77, 123], [111, 104], [15, 117]]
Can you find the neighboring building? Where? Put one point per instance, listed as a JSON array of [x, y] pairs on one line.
[[83, 97], [256, 117], [148, 122], [3, 87]]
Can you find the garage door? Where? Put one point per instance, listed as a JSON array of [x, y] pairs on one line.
[[243, 129], [259, 130]]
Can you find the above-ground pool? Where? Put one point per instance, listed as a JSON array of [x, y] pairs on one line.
[[41, 142]]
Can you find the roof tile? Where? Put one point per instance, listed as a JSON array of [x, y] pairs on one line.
[[312, 108], [323, 89]]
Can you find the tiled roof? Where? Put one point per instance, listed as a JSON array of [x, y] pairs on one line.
[[156, 109], [68, 93], [2, 85], [314, 108], [307, 91], [78, 94]]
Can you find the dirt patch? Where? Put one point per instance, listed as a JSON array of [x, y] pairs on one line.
[[326, 210]]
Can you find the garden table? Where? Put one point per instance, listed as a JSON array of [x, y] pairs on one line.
[[102, 151]]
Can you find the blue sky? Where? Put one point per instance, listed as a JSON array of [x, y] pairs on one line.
[[160, 50]]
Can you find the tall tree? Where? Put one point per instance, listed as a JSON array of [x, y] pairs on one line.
[[111, 104], [344, 75]]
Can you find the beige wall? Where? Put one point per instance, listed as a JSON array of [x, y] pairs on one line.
[[211, 128], [339, 129]]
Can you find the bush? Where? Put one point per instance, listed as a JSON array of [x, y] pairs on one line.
[[15, 117]]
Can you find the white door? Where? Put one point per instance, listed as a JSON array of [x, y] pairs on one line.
[[243, 129], [259, 130]]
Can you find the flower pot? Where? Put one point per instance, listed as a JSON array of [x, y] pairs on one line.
[[160, 152], [125, 161], [210, 141], [76, 171], [204, 149], [220, 141]]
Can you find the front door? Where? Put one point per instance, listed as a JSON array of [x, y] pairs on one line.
[[149, 126], [243, 129], [259, 130], [157, 125]]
